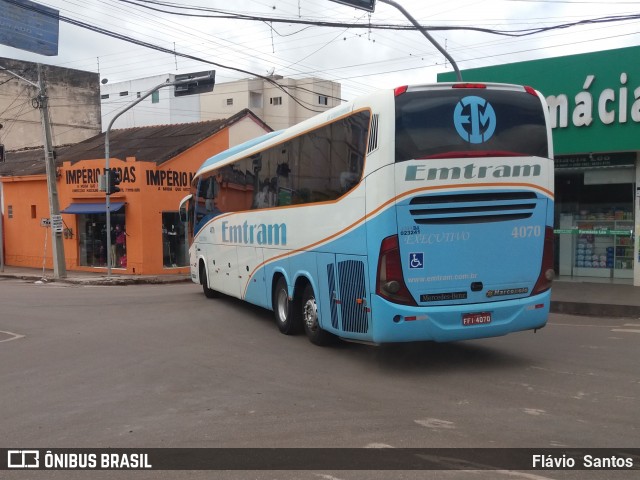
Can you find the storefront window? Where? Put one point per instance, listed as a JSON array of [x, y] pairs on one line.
[[92, 239], [595, 222], [174, 253]]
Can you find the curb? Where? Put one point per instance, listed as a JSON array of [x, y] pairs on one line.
[[561, 307], [115, 280], [595, 309]]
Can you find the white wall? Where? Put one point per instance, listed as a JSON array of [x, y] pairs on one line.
[[226, 100], [244, 130], [169, 109]]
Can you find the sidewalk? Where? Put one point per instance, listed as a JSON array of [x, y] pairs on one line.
[[90, 278], [569, 297], [594, 298]]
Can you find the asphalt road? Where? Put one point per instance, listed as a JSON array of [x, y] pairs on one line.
[[162, 366]]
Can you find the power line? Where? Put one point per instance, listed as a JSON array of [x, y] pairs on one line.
[[158, 48], [217, 13]]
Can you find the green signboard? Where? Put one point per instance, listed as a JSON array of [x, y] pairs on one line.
[[592, 231], [596, 160], [594, 98]]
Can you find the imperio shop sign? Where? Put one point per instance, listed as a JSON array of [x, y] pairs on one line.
[[170, 180], [85, 180]]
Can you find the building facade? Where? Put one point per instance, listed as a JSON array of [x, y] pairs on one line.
[[156, 164], [74, 105], [594, 106], [280, 102]]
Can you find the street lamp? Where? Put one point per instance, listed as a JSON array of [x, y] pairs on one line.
[[209, 77]]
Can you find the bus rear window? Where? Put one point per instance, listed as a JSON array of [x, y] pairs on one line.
[[469, 123]]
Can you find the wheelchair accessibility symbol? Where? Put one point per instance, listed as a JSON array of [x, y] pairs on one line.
[[416, 260]]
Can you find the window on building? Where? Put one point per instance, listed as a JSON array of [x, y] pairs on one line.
[[174, 250], [33, 211], [155, 97], [138, 95], [255, 100], [229, 101], [104, 96], [124, 94], [275, 100], [10, 211], [92, 239], [323, 100]]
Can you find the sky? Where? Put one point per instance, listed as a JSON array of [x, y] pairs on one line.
[[360, 59]]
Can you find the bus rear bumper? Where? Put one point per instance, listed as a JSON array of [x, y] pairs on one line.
[[400, 323]]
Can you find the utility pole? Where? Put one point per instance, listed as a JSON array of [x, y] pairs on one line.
[[41, 102], [59, 265]]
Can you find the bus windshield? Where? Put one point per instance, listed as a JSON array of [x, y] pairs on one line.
[[454, 123]]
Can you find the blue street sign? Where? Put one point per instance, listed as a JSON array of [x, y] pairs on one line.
[[29, 26]]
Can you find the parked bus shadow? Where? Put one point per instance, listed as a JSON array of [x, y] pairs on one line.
[[439, 357], [435, 357]]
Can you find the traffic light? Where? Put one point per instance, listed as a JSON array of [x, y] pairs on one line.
[[115, 177]]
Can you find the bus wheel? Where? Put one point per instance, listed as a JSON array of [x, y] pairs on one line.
[[316, 335], [208, 292], [284, 313]]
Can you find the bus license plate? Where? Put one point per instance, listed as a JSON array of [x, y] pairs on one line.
[[480, 318]]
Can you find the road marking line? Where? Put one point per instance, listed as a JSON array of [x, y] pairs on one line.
[[435, 423], [625, 330], [14, 336], [474, 467], [578, 325]]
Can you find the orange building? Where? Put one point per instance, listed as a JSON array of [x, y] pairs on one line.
[[156, 164]]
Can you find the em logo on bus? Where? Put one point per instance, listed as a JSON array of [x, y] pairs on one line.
[[474, 119]]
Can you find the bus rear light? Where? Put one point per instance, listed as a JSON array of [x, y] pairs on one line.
[[546, 269], [390, 281], [531, 90], [400, 90]]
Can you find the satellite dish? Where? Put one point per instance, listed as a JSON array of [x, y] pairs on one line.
[[104, 81]]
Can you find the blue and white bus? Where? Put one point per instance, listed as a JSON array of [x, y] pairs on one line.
[[420, 213]]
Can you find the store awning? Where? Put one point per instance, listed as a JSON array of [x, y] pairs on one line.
[[84, 208]]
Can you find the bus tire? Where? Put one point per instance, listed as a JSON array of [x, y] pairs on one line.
[[309, 311], [208, 292], [286, 316]]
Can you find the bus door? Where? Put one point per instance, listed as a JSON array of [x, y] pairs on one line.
[[248, 260], [223, 269], [343, 294]]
